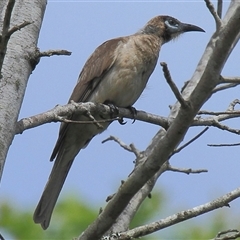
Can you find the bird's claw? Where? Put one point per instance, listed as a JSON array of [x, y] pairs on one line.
[[121, 121], [113, 108], [133, 112]]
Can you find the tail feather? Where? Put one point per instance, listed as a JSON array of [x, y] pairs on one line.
[[52, 190]]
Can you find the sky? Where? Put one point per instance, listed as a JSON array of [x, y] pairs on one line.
[[79, 27]]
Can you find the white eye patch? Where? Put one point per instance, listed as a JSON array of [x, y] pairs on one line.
[[171, 24]]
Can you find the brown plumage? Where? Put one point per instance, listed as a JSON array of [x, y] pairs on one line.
[[116, 72]]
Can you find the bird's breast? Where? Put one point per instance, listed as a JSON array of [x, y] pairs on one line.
[[127, 78]]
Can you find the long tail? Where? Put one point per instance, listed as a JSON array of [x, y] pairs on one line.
[[52, 190]]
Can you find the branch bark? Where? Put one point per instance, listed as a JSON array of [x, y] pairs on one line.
[[16, 68]]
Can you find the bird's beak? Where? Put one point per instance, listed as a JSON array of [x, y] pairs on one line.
[[190, 28]]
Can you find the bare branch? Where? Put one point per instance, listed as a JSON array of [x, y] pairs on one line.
[[205, 112], [219, 8], [220, 116], [6, 32], [214, 14], [18, 27], [189, 142], [34, 57], [58, 52], [230, 80], [181, 216], [124, 220], [224, 87], [92, 121], [59, 113], [215, 123], [228, 234], [232, 105], [224, 145], [172, 85], [185, 170], [130, 148], [7, 17]]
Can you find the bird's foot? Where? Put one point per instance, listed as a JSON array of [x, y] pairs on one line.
[[133, 112], [114, 111], [113, 108]]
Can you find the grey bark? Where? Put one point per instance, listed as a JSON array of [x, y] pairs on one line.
[[17, 66]]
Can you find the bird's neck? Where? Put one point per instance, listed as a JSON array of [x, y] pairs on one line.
[[152, 30]]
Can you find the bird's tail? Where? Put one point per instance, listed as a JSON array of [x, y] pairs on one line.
[[52, 190]]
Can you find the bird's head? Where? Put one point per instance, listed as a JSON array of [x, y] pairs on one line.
[[168, 28]]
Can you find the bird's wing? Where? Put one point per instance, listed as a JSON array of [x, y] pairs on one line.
[[94, 69], [91, 75]]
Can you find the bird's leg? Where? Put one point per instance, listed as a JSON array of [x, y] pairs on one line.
[[133, 112], [114, 111]]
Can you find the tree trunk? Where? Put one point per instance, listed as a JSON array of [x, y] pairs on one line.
[[16, 67]]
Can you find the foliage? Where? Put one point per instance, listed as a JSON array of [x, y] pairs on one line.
[[72, 216]]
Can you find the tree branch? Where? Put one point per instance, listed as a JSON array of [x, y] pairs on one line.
[[219, 8], [59, 113], [172, 85], [181, 216], [214, 14], [185, 170], [228, 234], [189, 142], [35, 56], [6, 33], [58, 52], [129, 148]]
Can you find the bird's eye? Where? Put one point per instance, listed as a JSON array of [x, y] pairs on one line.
[[171, 23]]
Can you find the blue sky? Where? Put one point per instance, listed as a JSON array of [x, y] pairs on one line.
[[80, 26]]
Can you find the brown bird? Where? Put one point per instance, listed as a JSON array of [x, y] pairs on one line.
[[117, 72]]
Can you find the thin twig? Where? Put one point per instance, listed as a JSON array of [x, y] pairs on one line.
[[172, 85], [189, 142], [204, 112], [233, 104], [18, 27], [219, 8], [224, 145], [212, 10], [130, 148], [224, 87], [215, 123], [186, 170]]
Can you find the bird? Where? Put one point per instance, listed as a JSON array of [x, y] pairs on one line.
[[115, 73]]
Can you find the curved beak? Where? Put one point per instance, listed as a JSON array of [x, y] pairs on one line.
[[190, 28]]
